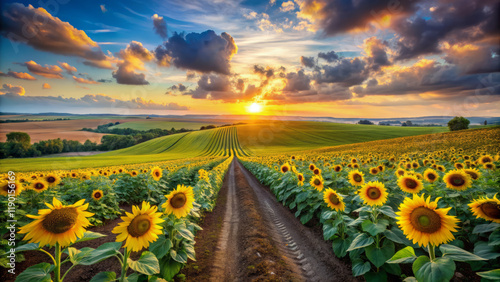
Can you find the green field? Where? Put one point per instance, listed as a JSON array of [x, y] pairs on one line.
[[147, 124], [257, 138]]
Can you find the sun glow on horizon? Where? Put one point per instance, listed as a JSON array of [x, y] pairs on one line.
[[254, 108]]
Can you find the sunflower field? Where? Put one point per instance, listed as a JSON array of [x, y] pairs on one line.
[[54, 209], [414, 208]]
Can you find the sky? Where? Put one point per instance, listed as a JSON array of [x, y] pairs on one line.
[[331, 58]]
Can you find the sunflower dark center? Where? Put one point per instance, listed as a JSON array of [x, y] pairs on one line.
[[301, 178], [473, 175], [411, 183], [334, 199], [317, 182], [337, 168], [357, 177], [157, 173], [39, 186], [425, 220], [401, 172], [373, 193], [431, 176], [51, 179], [60, 220], [139, 225], [97, 195], [491, 209], [457, 180], [486, 160], [178, 200]]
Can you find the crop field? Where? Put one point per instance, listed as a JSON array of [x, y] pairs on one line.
[[167, 123], [359, 202]]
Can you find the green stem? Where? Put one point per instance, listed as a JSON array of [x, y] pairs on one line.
[[58, 263], [125, 265], [53, 259], [67, 271], [432, 254]]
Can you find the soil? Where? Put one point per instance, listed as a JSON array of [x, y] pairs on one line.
[[78, 273], [255, 238]]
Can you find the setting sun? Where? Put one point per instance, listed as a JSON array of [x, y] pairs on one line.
[[255, 108]]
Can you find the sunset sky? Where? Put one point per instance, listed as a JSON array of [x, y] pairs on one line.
[[337, 58]]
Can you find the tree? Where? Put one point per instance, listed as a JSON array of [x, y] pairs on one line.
[[21, 137], [485, 122], [458, 123], [365, 121]]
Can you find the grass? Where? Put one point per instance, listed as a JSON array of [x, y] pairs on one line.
[[257, 139], [289, 136], [163, 123]]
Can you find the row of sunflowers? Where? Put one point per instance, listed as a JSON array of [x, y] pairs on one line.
[[384, 204], [171, 197]]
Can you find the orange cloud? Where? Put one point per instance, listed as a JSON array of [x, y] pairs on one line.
[[9, 89], [48, 71], [19, 75], [83, 80], [46, 86], [69, 69]]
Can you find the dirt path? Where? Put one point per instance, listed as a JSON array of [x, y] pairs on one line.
[[260, 240]]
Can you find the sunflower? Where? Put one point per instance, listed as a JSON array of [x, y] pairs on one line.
[[337, 168], [459, 165], [317, 182], [97, 195], [156, 172], [400, 172], [381, 168], [485, 159], [373, 193], [410, 184], [489, 166], [52, 178], [57, 224], [301, 179], [423, 223], [473, 173], [312, 167], [317, 171], [33, 176], [430, 175], [73, 174], [39, 185], [486, 208], [139, 228], [415, 165], [8, 186], [374, 170], [179, 201], [133, 173], [333, 200], [440, 168], [285, 168], [457, 180], [356, 178]]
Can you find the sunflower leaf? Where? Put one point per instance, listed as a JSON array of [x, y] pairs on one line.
[[483, 250], [387, 210], [186, 234], [361, 241], [458, 254], [36, 273], [103, 252], [28, 247], [375, 228], [406, 255], [89, 235], [439, 270], [360, 267], [483, 228], [492, 274], [161, 247], [378, 256], [107, 276], [147, 264]]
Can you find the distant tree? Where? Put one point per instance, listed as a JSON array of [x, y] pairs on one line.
[[203, 128], [20, 137], [365, 121], [485, 122], [117, 122], [458, 123], [409, 123]]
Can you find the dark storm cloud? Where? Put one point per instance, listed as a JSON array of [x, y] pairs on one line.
[[457, 21], [340, 16], [297, 81], [329, 56], [133, 58], [203, 52], [160, 26], [376, 55], [347, 72], [307, 61], [40, 30]]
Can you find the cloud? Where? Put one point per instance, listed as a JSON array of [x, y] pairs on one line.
[[133, 58], [307, 61], [341, 16], [46, 86], [40, 30], [19, 75], [17, 102], [69, 69], [160, 26], [176, 88], [297, 81], [85, 81], [9, 89], [329, 56], [48, 71], [471, 58], [108, 63], [456, 21], [103, 8], [347, 72], [376, 53], [287, 6], [203, 52]]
